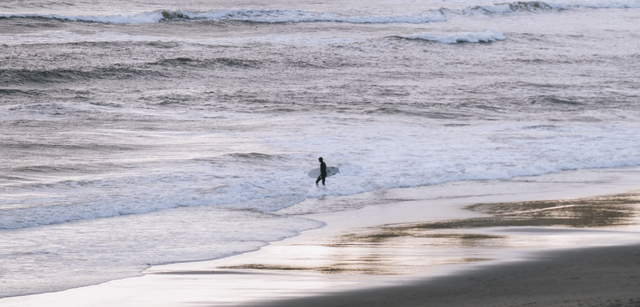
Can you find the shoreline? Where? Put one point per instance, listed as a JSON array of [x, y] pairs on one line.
[[319, 261]]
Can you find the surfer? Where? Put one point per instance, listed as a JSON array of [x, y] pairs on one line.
[[323, 171]]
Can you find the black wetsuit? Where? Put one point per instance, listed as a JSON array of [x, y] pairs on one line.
[[323, 173]]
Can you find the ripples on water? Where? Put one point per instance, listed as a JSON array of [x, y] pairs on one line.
[[117, 115]]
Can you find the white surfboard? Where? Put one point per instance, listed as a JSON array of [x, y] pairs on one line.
[[330, 172]]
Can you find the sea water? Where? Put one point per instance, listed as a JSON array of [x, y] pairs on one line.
[[137, 133]]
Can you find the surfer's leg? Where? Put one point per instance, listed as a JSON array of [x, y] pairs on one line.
[[320, 177], [323, 176]]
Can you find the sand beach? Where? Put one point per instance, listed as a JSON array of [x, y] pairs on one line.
[[533, 241], [156, 153], [603, 276]]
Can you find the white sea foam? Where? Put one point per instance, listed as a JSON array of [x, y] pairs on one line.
[[299, 16], [507, 8], [284, 16], [98, 174], [225, 179], [258, 16], [269, 172], [115, 187], [463, 37], [145, 17], [124, 246]]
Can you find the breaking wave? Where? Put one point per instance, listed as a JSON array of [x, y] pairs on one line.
[[117, 72], [27, 76], [463, 37], [256, 16], [297, 16]]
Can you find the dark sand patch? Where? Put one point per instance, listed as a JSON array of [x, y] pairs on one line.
[[400, 249], [592, 212], [337, 268], [363, 265]]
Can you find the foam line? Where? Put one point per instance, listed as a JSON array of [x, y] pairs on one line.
[[463, 37], [297, 16]]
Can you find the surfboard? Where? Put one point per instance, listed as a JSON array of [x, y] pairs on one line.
[[330, 172]]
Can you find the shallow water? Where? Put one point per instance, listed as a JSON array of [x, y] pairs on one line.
[[123, 121]]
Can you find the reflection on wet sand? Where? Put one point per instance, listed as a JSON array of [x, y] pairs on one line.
[[593, 212], [407, 248], [601, 211]]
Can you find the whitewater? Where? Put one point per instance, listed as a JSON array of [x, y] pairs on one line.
[[138, 134]]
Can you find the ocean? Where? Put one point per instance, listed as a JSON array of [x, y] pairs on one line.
[[138, 133]]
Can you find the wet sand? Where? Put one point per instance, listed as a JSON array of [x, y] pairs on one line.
[[603, 276], [488, 233], [607, 276], [489, 243]]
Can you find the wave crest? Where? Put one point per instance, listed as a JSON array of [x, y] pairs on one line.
[[514, 7], [297, 16], [256, 16], [486, 36]]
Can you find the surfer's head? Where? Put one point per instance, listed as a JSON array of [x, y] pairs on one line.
[[320, 159]]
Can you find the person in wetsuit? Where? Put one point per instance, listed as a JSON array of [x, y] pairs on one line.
[[323, 171]]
